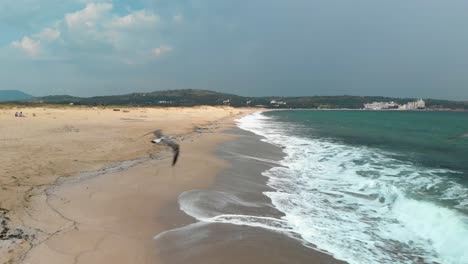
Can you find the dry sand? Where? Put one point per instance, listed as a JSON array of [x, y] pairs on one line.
[[105, 219]]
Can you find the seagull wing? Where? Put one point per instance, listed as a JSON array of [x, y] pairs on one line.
[[157, 133], [175, 148], [176, 156], [160, 138]]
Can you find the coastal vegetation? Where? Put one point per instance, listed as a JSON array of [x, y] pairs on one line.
[[191, 97]]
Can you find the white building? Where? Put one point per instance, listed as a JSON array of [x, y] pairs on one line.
[[380, 105], [419, 104], [277, 103]]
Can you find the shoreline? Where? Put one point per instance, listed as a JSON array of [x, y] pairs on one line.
[[219, 233], [369, 110], [112, 214], [31, 216]]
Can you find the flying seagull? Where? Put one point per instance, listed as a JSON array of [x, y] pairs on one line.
[[160, 138], [460, 136]]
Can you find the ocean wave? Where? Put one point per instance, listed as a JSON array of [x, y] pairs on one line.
[[211, 207], [362, 205]]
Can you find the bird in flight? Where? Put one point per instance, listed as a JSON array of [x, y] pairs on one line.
[[160, 138], [460, 136]]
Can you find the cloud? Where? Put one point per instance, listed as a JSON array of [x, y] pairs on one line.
[[32, 45], [92, 1], [28, 45], [99, 31], [179, 18], [49, 34], [136, 19], [89, 16], [161, 50]]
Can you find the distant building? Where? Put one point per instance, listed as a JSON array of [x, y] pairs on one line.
[[419, 104], [381, 105], [277, 103], [226, 102]]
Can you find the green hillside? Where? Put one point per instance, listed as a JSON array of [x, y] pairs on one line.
[[189, 97]]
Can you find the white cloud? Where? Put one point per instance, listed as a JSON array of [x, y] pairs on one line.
[[97, 24], [161, 50], [179, 18], [98, 31], [136, 19], [49, 34], [89, 16], [32, 46], [92, 1], [29, 46]]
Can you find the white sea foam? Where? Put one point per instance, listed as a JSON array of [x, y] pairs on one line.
[[360, 204], [207, 206]]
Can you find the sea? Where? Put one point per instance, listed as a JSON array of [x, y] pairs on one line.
[[362, 186], [372, 186]]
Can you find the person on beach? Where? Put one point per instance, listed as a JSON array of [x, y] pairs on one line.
[[16, 114]]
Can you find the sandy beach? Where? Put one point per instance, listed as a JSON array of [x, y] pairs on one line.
[[80, 185]]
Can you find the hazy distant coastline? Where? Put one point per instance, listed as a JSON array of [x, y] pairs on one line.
[[189, 97]]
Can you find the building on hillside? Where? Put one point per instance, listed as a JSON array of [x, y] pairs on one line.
[[381, 105], [419, 104], [277, 103]]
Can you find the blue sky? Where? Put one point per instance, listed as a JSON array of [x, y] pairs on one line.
[[397, 48]]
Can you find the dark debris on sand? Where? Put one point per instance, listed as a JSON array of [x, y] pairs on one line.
[[6, 233]]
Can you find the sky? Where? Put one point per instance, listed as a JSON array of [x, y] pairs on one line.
[[398, 48]]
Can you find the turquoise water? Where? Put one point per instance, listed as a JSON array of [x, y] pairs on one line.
[[372, 186], [420, 137]]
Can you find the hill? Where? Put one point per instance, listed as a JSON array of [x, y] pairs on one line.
[[186, 97], [13, 95], [189, 97]]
